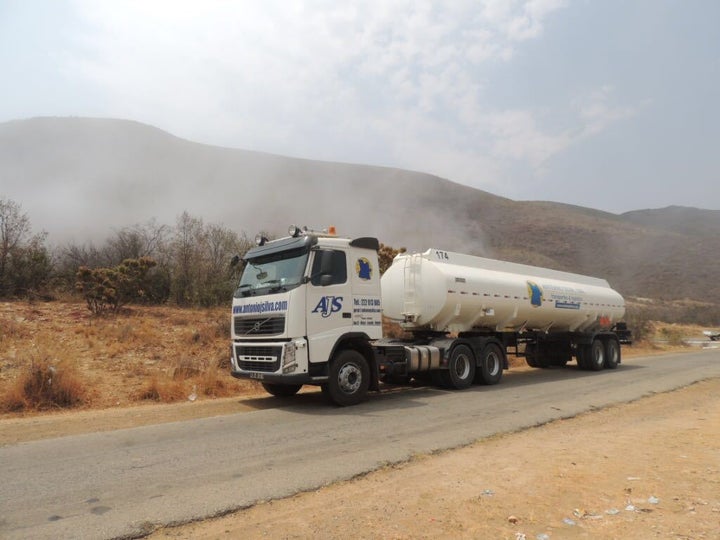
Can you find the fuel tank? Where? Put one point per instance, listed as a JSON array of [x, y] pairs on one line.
[[442, 291]]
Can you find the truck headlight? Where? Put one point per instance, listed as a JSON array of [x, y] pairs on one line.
[[289, 364]]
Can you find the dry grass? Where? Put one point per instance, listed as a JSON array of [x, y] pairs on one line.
[[144, 353], [161, 354], [43, 386], [163, 389], [188, 379]]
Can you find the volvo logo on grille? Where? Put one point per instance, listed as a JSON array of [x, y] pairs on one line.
[[259, 326]]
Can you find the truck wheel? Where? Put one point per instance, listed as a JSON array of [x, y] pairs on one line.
[[531, 355], [282, 390], [596, 361], [491, 365], [583, 356], [461, 368], [349, 378], [612, 353]]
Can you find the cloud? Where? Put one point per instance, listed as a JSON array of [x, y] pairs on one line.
[[391, 83], [518, 134], [598, 112]]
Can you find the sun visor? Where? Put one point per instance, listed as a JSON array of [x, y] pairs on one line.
[[284, 244]]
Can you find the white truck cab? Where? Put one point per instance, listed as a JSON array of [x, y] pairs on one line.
[[303, 301]]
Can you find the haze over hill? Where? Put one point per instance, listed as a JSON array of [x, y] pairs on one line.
[[80, 178]]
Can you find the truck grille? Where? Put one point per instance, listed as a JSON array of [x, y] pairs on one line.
[[258, 358], [259, 326]]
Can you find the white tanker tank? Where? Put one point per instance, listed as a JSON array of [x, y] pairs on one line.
[[442, 291]]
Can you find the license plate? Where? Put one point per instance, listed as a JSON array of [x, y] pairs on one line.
[[258, 376]]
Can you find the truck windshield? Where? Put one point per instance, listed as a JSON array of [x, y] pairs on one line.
[[278, 272]]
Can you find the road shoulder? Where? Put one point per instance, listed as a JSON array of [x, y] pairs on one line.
[[647, 468]]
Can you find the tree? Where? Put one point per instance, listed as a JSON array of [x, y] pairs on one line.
[[14, 227], [30, 267], [386, 254], [25, 264], [141, 240], [185, 250], [200, 257]]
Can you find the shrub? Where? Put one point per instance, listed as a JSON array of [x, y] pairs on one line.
[[639, 323], [43, 386], [673, 336], [111, 288], [164, 389]]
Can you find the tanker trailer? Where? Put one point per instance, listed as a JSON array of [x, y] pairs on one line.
[[545, 315]]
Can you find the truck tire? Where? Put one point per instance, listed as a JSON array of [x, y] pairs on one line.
[[583, 356], [349, 378], [282, 390], [531, 355], [461, 368], [596, 360], [612, 353], [490, 370]]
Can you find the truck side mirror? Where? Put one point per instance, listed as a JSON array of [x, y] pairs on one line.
[[326, 268], [323, 274], [326, 262]]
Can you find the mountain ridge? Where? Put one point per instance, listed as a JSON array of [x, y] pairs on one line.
[[80, 178]]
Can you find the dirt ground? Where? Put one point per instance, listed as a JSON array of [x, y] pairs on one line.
[[648, 469]]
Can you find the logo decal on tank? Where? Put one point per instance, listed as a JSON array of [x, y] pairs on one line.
[[536, 294]]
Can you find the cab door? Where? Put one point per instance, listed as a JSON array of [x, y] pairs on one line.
[[329, 302], [366, 300]]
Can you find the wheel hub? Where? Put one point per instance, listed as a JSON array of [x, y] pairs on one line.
[[462, 366], [349, 378], [493, 364]]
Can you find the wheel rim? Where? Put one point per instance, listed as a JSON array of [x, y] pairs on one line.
[[462, 366], [598, 357], [349, 378], [493, 364]]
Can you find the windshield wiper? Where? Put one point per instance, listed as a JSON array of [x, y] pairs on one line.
[[242, 290], [278, 285]]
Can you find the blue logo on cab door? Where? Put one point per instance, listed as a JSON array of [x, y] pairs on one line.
[[328, 305], [363, 268]]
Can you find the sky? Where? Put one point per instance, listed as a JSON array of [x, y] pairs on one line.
[[608, 104]]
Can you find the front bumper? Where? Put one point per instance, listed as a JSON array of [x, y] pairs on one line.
[[278, 378], [283, 362]]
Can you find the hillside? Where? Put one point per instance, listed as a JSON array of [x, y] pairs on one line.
[[80, 178]]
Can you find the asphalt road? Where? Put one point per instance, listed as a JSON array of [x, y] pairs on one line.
[[123, 483]]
